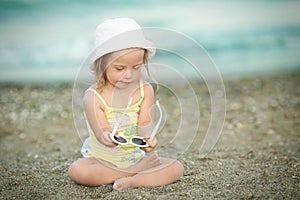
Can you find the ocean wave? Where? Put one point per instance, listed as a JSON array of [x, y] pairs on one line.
[[58, 35]]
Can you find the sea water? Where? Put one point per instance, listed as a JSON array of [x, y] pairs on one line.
[[47, 41]]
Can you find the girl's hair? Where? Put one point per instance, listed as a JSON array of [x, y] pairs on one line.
[[101, 65]]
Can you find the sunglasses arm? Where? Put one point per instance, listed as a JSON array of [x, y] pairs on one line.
[[112, 134], [158, 123]]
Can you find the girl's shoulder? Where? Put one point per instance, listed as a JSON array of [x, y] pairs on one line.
[[148, 90], [147, 87], [91, 92], [93, 97]]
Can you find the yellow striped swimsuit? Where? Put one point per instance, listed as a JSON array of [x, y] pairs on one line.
[[122, 156]]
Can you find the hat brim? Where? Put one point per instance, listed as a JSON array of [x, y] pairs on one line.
[[131, 39]]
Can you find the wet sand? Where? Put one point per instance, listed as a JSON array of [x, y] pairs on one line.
[[257, 156]]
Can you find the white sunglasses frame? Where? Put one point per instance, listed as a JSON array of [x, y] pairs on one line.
[[112, 134]]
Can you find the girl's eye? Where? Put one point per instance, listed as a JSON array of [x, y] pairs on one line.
[[119, 68], [137, 67]]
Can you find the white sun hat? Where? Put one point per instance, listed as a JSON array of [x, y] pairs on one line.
[[117, 34]]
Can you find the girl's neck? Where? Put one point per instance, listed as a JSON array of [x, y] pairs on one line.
[[119, 98]]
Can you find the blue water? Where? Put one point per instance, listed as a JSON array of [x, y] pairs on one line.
[[47, 41]]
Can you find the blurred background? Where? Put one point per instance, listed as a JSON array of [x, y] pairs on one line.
[[47, 41]]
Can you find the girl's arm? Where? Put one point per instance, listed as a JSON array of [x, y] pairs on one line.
[[146, 121], [93, 109], [146, 117]]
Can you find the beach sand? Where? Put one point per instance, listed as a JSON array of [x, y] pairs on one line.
[[257, 156]]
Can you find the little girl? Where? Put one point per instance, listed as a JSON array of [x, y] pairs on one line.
[[117, 65]]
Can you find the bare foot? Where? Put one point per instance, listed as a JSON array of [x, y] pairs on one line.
[[146, 163], [122, 183]]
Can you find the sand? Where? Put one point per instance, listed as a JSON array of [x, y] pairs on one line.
[[257, 156]]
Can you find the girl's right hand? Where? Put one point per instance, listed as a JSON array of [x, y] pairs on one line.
[[103, 138], [152, 145]]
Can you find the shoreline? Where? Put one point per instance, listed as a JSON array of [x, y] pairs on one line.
[[257, 156], [225, 78]]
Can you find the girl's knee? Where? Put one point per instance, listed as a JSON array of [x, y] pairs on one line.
[[77, 173], [178, 168], [84, 173], [72, 172]]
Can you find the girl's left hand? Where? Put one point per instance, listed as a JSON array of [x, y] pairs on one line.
[[152, 144]]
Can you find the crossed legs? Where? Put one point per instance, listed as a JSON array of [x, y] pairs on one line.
[[150, 171]]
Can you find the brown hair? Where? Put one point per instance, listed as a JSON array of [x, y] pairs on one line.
[[100, 69]]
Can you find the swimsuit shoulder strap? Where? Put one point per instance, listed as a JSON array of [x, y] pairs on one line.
[[142, 89], [103, 101], [98, 95]]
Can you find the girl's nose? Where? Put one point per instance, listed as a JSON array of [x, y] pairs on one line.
[[128, 74]]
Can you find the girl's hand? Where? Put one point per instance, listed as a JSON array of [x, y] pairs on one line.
[[103, 138], [152, 144]]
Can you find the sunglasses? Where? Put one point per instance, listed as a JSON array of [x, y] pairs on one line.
[[135, 140]]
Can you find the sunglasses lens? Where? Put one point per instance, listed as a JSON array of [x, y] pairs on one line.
[[138, 141], [120, 139]]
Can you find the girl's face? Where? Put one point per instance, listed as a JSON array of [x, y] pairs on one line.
[[125, 67]]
